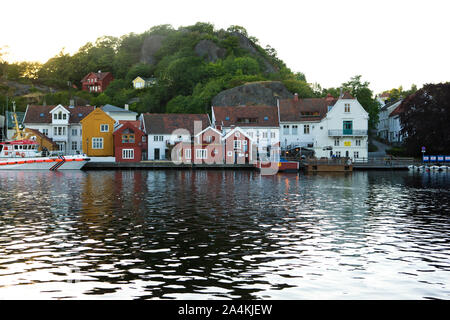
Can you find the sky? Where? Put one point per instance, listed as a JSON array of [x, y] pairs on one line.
[[390, 43]]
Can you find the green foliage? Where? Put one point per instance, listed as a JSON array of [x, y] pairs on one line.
[[396, 152], [425, 118], [360, 90], [299, 86]]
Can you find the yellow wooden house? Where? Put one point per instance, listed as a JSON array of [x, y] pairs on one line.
[[141, 83], [97, 134]]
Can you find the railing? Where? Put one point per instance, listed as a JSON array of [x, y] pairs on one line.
[[347, 132], [384, 161]]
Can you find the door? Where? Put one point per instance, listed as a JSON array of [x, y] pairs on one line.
[[348, 127], [156, 154]]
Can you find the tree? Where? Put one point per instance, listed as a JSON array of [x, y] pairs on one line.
[[425, 118], [360, 90]]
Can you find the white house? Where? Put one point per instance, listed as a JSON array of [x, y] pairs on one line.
[[119, 114], [385, 126], [165, 130], [59, 123], [260, 123], [395, 127], [328, 126]]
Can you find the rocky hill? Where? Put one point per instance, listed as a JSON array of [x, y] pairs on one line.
[[256, 93]]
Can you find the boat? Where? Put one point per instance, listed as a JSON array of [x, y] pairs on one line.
[[24, 154]]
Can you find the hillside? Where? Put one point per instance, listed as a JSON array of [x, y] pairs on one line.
[[192, 65]]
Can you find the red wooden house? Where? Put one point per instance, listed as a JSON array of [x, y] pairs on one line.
[[130, 143], [238, 147], [96, 82]]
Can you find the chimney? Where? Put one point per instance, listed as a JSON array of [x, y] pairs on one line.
[[126, 107], [295, 96], [99, 71], [329, 97]]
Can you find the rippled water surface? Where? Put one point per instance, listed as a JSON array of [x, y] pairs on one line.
[[224, 234]]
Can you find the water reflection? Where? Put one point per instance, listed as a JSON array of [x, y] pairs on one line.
[[224, 234]]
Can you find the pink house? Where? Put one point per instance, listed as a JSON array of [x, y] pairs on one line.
[[238, 147]]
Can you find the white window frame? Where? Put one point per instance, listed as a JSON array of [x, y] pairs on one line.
[[97, 143], [201, 154], [306, 129], [294, 130], [104, 128], [237, 145], [74, 145], [128, 154], [187, 154]]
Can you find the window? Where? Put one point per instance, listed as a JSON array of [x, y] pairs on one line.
[[64, 116], [347, 107], [264, 135], [74, 132], [358, 143], [336, 142], [306, 129], [338, 154], [272, 134], [285, 129], [55, 116], [128, 138], [97, 143], [200, 153], [74, 145], [356, 154], [59, 131], [187, 153], [237, 144], [59, 115], [294, 129], [250, 134], [45, 132], [104, 127], [209, 139], [155, 138], [127, 153]]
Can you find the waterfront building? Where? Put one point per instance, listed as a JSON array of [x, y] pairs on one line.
[[130, 143], [395, 127], [96, 81], [330, 127], [164, 131], [239, 147], [119, 114], [97, 134], [260, 123], [386, 127], [61, 124], [141, 82], [44, 142]]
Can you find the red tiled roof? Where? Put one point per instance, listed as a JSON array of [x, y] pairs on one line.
[[397, 111], [134, 123], [261, 116], [99, 75], [41, 114], [123, 124], [166, 123], [347, 95], [311, 109]]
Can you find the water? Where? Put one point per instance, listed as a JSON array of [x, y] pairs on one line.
[[224, 235]]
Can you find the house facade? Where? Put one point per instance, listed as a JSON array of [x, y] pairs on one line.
[[328, 126], [130, 143], [395, 127], [97, 134], [59, 123], [238, 147], [164, 131], [386, 127], [141, 82], [259, 123], [96, 81]]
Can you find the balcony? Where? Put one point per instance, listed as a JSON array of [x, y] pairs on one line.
[[347, 133]]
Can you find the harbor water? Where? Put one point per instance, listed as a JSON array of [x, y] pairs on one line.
[[212, 234]]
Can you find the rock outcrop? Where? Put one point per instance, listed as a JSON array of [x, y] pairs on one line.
[[255, 93], [209, 50], [150, 46]]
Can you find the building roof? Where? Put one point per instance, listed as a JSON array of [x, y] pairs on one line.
[[311, 109], [246, 116], [128, 124], [111, 108], [398, 110], [41, 114], [389, 104], [166, 123], [100, 75], [347, 95]]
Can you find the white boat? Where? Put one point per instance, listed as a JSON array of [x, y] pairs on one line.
[[434, 168], [24, 154]]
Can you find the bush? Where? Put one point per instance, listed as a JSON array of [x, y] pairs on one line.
[[396, 152]]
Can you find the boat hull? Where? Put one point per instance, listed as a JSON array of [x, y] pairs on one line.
[[44, 163]]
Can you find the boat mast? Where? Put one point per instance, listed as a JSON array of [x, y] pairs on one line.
[[19, 135]]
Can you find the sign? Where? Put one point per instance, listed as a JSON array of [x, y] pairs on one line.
[[423, 149], [447, 158], [426, 158], [440, 158], [433, 158], [347, 143]]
